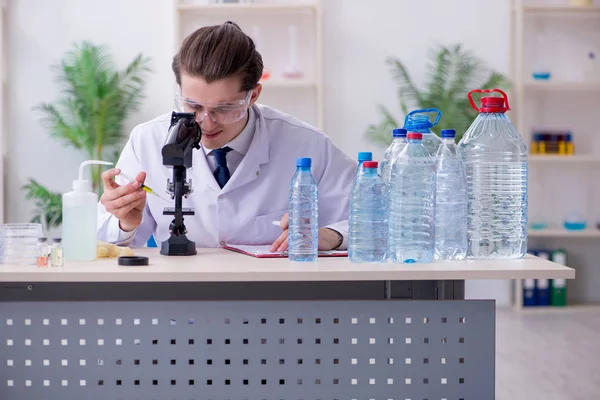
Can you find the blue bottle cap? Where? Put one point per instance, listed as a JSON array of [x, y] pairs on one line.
[[418, 120], [448, 133], [365, 156], [303, 162], [399, 132]]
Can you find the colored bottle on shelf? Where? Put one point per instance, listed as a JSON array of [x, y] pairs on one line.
[[558, 294], [495, 160], [418, 121], [542, 286], [570, 148], [529, 299], [562, 144], [368, 224], [542, 144], [535, 144], [303, 214]]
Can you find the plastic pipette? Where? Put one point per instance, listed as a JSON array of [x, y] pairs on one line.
[[145, 188]]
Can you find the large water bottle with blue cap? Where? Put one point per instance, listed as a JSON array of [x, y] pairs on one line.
[[362, 157], [412, 204], [392, 153], [495, 159], [303, 234], [368, 224], [450, 201], [418, 121]]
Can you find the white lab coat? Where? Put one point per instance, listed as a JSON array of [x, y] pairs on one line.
[[242, 211]]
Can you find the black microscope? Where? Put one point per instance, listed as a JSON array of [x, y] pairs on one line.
[[183, 137]]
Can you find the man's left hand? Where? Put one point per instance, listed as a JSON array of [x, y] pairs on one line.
[[328, 238]]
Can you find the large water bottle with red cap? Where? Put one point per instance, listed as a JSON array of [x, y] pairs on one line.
[[495, 160]]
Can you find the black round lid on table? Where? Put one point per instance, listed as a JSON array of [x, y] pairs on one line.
[[133, 260]]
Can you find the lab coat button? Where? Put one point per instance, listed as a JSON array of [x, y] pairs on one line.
[[220, 196], [222, 243]]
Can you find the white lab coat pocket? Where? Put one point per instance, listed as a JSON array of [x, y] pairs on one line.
[[266, 232]]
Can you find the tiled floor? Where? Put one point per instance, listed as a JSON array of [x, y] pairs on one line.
[[551, 356]]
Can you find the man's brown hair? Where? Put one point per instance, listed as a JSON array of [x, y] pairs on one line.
[[217, 52]]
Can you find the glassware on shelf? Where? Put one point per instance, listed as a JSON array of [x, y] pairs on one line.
[[541, 70], [592, 67], [575, 221], [292, 70], [19, 243], [257, 43], [537, 215]]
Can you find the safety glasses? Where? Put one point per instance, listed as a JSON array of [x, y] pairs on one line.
[[218, 112]]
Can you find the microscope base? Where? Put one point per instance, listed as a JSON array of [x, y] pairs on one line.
[[178, 246]]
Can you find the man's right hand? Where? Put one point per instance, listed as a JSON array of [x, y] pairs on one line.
[[125, 202]]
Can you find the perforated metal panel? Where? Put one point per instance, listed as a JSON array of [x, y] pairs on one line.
[[399, 350]]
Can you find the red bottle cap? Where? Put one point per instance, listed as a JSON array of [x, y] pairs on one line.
[[414, 135], [370, 164], [490, 104]]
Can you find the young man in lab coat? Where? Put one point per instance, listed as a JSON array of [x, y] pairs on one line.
[[240, 177]]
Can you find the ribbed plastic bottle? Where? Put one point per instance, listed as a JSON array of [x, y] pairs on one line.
[[412, 204], [392, 152], [450, 201], [495, 159], [368, 225], [303, 239], [418, 121], [362, 157]]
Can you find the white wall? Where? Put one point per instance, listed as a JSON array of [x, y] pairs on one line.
[[39, 32], [359, 35]]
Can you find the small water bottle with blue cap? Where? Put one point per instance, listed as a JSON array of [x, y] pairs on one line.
[[392, 153], [418, 121], [303, 235], [362, 157], [450, 201]]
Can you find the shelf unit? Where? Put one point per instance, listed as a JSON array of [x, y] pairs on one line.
[[3, 94], [540, 104], [568, 10], [563, 233], [562, 86], [559, 310], [560, 159], [301, 97]]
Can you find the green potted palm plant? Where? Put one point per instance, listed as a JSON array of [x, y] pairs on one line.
[[96, 100], [452, 72]]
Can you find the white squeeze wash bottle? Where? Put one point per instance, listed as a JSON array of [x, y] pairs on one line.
[[80, 218]]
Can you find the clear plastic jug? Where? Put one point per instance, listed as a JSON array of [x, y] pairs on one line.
[[495, 159]]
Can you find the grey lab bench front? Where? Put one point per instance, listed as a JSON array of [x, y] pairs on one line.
[[225, 326]]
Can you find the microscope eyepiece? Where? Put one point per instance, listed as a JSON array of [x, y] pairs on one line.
[[184, 136]]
